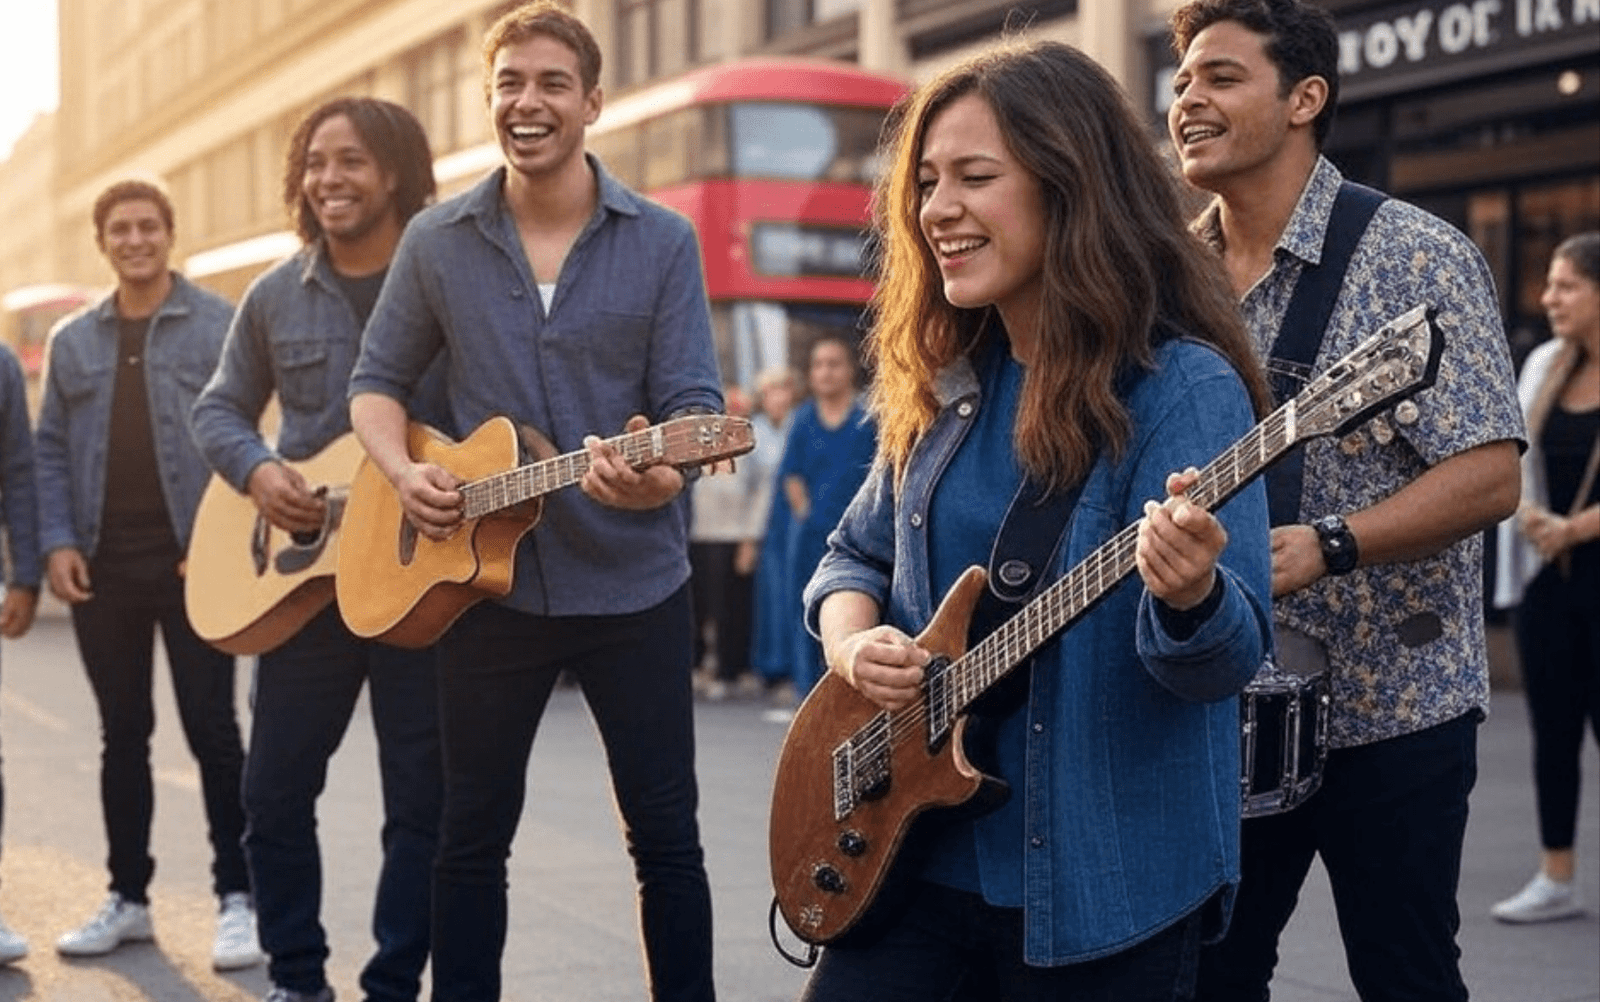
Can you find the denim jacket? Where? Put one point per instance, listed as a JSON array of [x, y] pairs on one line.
[[297, 335], [185, 339], [19, 498], [1132, 760]]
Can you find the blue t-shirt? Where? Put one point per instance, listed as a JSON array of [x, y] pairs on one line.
[[832, 462], [964, 517]]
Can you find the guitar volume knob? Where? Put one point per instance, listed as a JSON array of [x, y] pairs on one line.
[[852, 843], [828, 879]]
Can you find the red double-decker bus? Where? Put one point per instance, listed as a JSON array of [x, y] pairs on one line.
[[773, 161]]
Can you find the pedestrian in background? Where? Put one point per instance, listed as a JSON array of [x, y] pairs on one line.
[[1550, 568], [19, 513], [726, 516], [772, 653], [119, 482], [825, 460]]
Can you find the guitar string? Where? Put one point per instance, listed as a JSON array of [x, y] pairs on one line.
[[501, 490], [1063, 601], [983, 665]]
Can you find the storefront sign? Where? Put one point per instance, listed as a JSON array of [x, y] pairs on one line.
[[1421, 44]]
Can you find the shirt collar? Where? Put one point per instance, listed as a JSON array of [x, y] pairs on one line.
[[1308, 224], [176, 303], [484, 199]]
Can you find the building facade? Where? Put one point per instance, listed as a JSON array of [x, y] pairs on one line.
[[1483, 110]]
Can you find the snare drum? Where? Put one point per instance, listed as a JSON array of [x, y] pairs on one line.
[[1283, 728]]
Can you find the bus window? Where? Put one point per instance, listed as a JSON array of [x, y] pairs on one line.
[[805, 142]]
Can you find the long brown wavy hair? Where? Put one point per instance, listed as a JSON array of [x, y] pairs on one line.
[[1118, 257]]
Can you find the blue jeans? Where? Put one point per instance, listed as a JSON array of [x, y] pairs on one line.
[[305, 692], [952, 946], [116, 639], [1389, 822], [497, 668]]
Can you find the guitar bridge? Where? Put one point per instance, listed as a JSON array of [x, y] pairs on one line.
[[861, 766]]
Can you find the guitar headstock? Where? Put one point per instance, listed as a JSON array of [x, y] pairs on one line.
[[1397, 361], [698, 439]]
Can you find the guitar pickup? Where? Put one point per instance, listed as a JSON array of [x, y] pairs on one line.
[[861, 766]]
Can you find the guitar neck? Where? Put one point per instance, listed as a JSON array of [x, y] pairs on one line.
[[1058, 606], [503, 490]]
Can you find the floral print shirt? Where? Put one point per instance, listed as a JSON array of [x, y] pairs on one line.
[[1405, 641]]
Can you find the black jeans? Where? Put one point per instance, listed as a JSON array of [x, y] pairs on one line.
[[116, 639], [1558, 643], [305, 693], [952, 946], [497, 667], [1388, 822], [725, 597]]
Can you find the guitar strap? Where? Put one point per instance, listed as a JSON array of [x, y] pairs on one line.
[[1305, 322]]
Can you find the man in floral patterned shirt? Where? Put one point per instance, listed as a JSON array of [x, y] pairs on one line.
[[1391, 582]]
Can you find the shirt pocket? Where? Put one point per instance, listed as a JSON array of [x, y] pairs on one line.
[[302, 374], [80, 380], [624, 342]]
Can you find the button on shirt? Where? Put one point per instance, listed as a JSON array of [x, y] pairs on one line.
[[628, 332], [1405, 640]]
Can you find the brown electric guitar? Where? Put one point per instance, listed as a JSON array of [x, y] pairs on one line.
[[852, 777], [249, 585], [400, 587]]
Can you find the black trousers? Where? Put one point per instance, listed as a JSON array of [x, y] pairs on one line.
[[116, 640], [952, 946], [1558, 642], [497, 667], [1388, 822], [727, 598]]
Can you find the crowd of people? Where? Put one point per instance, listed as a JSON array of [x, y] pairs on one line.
[[1054, 351]]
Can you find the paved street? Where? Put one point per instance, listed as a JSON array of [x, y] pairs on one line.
[[573, 935]]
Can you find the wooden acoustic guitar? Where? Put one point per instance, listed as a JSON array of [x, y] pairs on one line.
[[249, 585], [400, 587], [852, 777]]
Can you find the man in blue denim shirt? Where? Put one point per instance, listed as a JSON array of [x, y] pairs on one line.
[[576, 307], [19, 509], [119, 482], [358, 170]]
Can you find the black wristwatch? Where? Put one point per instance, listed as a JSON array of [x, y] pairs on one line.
[[1339, 550]]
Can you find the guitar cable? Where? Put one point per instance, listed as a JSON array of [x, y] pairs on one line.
[[806, 962]]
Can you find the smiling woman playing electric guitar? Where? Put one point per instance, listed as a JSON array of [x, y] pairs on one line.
[[1051, 345]]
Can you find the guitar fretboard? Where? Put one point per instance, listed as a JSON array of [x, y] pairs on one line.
[[1070, 597], [502, 490]]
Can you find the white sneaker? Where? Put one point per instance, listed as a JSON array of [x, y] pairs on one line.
[[12, 946], [1543, 900], [118, 921], [236, 944]]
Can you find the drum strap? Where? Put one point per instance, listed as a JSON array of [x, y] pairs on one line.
[[1304, 324]]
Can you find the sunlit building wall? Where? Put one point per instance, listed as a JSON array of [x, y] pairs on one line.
[[204, 94]]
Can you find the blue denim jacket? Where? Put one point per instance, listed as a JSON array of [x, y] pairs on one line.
[[75, 418], [19, 498], [294, 333], [628, 332], [1132, 786]]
